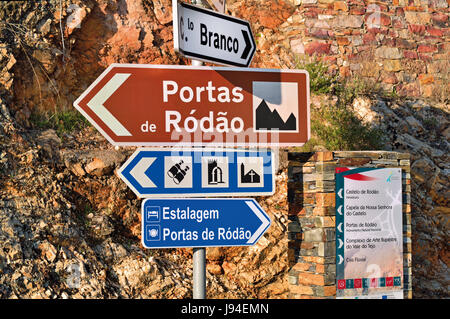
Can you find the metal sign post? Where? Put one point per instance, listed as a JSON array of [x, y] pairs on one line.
[[199, 254], [199, 273]]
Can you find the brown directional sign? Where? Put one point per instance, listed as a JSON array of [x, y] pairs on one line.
[[163, 105]]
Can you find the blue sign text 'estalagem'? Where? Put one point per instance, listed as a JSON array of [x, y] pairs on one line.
[[212, 222]]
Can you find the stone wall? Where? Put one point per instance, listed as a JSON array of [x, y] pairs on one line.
[[311, 228], [402, 44]]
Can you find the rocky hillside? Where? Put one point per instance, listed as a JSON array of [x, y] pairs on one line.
[[70, 228], [421, 129]]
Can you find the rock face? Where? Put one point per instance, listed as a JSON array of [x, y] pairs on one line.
[[422, 130], [50, 68], [70, 228]]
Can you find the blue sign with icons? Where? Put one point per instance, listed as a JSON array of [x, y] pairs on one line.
[[212, 222], [161, 173]]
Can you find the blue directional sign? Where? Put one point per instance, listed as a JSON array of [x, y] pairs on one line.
[[212, 222], [161, 173]]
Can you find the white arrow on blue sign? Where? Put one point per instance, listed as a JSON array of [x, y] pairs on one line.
[[183, 172], [212, 222]]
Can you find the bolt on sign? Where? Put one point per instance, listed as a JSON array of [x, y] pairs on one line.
[[171, 105]]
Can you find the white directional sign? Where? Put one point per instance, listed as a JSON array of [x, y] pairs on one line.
[[212, 37]]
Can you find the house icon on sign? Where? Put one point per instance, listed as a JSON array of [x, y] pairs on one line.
[[250, 177]]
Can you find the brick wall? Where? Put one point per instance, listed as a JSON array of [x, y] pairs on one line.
[[403, 44], [311, 228]]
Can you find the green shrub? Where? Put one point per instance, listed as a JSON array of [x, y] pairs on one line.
[[336, 126], [339, 129], [62, 121], [321, 81], [348, 90]]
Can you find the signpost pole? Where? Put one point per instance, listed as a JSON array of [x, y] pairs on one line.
[[199, 273], [199, 257], [199, 254]]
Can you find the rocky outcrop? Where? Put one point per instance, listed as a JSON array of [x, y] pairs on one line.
[[421, 129], [69, 228], [54, 49]]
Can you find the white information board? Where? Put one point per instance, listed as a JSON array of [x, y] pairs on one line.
[[369, 241]]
